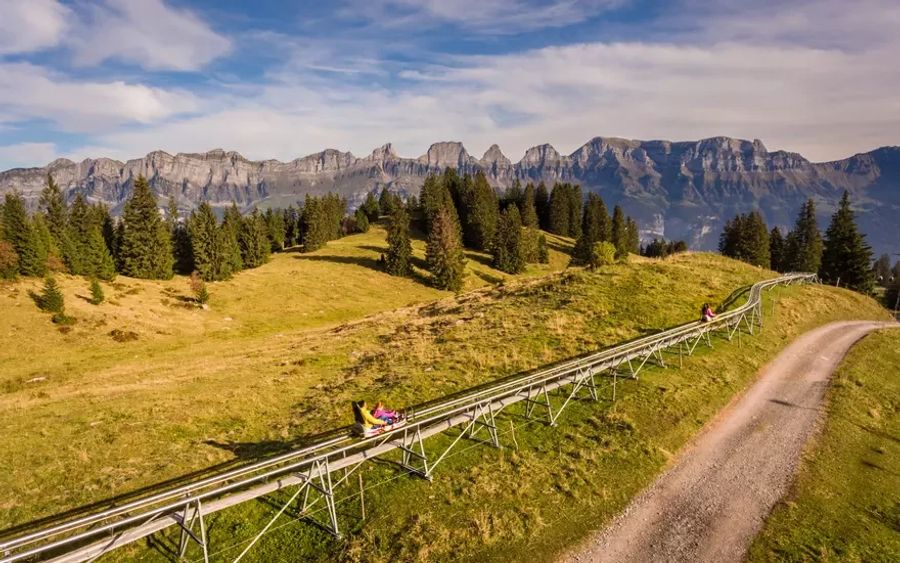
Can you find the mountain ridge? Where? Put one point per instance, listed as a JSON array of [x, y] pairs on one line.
[[677, 189]]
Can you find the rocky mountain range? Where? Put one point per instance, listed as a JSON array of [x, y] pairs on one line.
[[679, 190]]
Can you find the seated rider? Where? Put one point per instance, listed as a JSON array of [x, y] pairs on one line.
[[382, 413], [362, 416], [706, 313]]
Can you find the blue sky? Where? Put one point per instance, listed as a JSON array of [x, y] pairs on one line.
[[278, 79]]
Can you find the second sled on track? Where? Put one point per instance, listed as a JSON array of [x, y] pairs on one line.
[[377, 430]]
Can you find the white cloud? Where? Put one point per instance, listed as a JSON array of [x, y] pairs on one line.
[[27, 154], [32, 92], [31, 25], [149, 33]]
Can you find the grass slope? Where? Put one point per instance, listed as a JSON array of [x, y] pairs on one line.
[[844, 505], [548, 487]]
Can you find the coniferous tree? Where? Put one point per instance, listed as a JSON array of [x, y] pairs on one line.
[[53, 204], [803, 245], [80, 225], [542, 206], [19, 231], [399, 252], [98, 262], [97, 296], [51, 298], [230, 234], [528, 210], [45, 245], [846, 255], [479, 213], [434, 197], [513, 196], [371, 207], [274, 221], [145, 249], [444, 252], [746, 238], [507, 247], [595, 227], [182, 253], [575, 201], [361, 220], [253, 240], [291, 228], [558, 214], [315, 224], [387, 202], [777, 250], [633, 236], [619, 233], [206, 244], [543, 250]]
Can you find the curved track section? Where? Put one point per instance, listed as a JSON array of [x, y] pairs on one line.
[[314, 471]]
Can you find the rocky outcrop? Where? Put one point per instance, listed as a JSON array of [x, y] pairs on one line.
[[675, 189]]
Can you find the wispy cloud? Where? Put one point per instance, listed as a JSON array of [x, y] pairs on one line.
[[31, 25], [27, 154], [148, 33]]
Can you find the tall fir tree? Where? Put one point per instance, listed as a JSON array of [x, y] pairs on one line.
[[98, 262], [479, 212], [19, 231], [253, 239], [436, 196], [315, 224], [746, 238], [444, 252], [777, 254], [542, 205], [361, 220], [595, 227], [387, 202], [9, 260], [507, 247], [399, 252], [206, 244], [229, 235], [558, 215], [182, 253], [513, 196], [846, 255], [528, 209], [146, 249], [575, 202], [882, 270], [633, 236], [619, 233], [80, 224], [274, 220], [53, 204], [291, 229], [803, 245], [371, 207]]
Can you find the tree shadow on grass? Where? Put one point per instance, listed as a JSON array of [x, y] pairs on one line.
[[364, 261]]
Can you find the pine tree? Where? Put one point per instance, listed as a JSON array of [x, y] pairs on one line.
[[479, 213], [399, 252], [882, 270], [542, 206], [146, 248], [558, 214], [436, 196], [98, 262], [44, 242], [19, 231], [53, 204], [846, 255], [444, 252], [51, 298], [198, 288], [315, 224], [97, 296], [528, 209], [513, 196], [575, 202], [361, 220], [777, 250], [746, 238], [619, 233], [206, 244], [80, 226], [803, 245], [291, 228], [543, 250], [274, 221], [387, 202], [595, 227], [229, 240], [633, 236], [507, 247], [253, 239]]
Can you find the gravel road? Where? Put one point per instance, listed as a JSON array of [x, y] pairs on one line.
[[714, 499]]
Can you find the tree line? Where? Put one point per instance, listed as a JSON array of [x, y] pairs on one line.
[[841, 257]]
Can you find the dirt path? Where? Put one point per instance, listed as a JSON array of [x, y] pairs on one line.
[[714, 499]]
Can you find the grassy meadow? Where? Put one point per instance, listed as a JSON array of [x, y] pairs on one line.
[[845, 503], [284, 348]]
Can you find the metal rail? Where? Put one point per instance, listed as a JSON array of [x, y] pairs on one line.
[[309, 469]]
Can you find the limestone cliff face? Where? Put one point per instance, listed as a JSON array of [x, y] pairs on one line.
[[675, 189]]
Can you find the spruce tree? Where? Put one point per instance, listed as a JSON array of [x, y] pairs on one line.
[[755, 240], [146, 248], [19, 231], [528, 210], [882, 270], [53, 204], [479, 214], [573, 192], [436, 196], [558, 214], [444, 252], [803, 245], [229, 237], [98, 262], [595, 227], [361, 220], [507, 247], [51, 297], [315, 224], [777, 250], [513, 196], [387, 202], [97, 296], [846, 255], [619, 233], [370, 207], [542, 206], [181, 241], [543, 250], [291, 228], [399, 252], [253, 239], [633, 235], [80, 226], [274, 221], [45, 245], [206, 244]]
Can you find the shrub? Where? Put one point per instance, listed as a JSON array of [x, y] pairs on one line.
[[602, 254], [198, 287], [9, 261]]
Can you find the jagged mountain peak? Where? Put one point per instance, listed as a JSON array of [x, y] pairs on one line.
[[444, 154], [495, 156]]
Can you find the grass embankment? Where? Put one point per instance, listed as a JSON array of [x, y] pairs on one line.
[[548, 487], [845, 503], [131, 393]]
